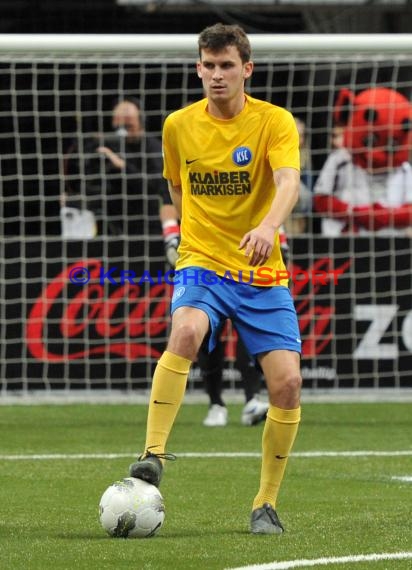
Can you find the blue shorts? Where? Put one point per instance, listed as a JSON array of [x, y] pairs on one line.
[[264, 317]]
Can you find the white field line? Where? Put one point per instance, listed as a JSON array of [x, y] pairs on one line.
[[199, 455], [306, 563], [402, 478]]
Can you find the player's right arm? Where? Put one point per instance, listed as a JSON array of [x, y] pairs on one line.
[[259, 241]]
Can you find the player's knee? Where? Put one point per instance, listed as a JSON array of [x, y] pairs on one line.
[[284, 392], [185, 339], [291, 390], [290, 382], [294, 382]]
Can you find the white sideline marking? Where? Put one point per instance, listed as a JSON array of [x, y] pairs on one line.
[[403, 478], [303, 454], [287, 564]]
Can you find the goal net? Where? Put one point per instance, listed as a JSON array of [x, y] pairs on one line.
[[85, 311]]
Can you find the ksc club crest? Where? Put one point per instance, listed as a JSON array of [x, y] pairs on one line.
[[178, 293], [242, 156]]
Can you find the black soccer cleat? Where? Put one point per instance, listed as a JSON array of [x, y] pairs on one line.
[[149, 468], [265, 521]]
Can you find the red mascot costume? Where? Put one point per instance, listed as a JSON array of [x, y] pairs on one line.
[[367, 185]]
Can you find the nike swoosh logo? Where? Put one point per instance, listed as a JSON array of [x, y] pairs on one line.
[[159, 402], [281, 456], [190, 161]]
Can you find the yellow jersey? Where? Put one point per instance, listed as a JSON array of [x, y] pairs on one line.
[[225, 169]]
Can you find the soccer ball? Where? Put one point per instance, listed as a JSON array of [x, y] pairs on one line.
[[131, 508]]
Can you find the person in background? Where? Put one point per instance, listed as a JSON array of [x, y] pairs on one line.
[[117, 175], [297, 223], [232, 165], [337, 137], [365, 186], [306, 175], [211, 366]]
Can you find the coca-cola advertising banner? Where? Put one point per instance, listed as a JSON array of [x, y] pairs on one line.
[[83, 314], [95, 314]]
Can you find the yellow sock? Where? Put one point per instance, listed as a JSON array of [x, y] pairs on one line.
[[278, 436], [168, 390]]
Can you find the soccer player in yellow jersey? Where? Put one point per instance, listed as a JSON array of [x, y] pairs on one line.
[[232, 165]]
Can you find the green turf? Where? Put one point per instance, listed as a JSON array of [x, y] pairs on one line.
[[331, 506]]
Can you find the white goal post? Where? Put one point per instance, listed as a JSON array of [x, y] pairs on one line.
[[135, 44], [57, 335]]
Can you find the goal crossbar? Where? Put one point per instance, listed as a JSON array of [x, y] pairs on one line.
[[186, 43]]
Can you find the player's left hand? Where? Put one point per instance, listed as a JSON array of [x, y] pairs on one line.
[[258, 244]]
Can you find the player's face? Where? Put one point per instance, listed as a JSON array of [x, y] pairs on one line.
[[223, 74]]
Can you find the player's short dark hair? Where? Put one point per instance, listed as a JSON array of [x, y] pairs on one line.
[[219, 36]]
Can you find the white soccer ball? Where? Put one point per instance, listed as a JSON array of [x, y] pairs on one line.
[[131, 508]]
